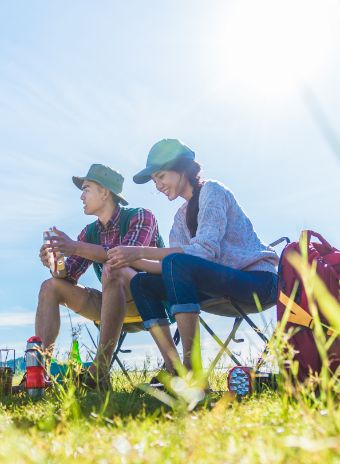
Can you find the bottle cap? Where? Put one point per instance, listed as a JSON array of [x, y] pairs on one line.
[[34, 339]]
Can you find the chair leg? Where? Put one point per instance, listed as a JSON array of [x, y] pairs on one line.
[[259, 333], [250, 322], [176, 337], [118, 347], [125, 372], [224, 346], [115, 357]]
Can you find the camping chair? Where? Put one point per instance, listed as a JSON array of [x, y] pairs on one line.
[[229, 307]]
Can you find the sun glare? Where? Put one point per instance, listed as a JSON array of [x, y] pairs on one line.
[[271, 46]]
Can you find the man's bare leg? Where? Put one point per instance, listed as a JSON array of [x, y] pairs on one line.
[[55, 292], [110, 310], [116, 291]]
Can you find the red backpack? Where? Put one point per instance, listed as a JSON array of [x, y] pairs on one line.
[[328, 269]]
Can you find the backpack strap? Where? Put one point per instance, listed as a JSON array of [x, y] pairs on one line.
[[126, 215], [125, 218], [297, 315], [311, 233], [160, 243], [92, 236]]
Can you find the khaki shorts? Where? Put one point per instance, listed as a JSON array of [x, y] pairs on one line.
[[132, 321]]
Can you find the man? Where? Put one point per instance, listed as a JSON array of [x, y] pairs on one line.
[[101, 196]]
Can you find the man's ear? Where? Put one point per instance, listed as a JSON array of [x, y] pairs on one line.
[[109, 194], [106, 193]]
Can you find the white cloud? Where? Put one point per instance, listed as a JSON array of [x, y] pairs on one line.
[[16, 320], [17, 317]]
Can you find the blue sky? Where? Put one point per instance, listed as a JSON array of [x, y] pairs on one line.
[[84, 82]]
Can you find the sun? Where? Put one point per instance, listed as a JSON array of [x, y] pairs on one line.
[[270, 47]]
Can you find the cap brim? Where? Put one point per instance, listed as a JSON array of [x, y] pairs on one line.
[[144, 175], [78, 182], [121, 199]]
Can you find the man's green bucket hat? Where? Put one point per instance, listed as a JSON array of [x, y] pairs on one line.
[[106, 177], [162, 156]]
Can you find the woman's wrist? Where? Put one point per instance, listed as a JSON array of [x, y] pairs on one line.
[[141, 252]]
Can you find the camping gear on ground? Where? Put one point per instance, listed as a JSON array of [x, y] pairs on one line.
[[243, 380], [35, 368], [56, 260], [6, 372], [326, 258], [239, 380], [6, 380]]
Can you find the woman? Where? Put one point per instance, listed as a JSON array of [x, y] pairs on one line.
[[214, 251]]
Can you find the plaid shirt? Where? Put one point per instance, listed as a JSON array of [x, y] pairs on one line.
[[143, 231]]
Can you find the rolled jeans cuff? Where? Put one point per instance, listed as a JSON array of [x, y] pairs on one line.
[[157, 321], [185, 308]]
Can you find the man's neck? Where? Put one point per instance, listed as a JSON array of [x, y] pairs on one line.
[[106, 214]]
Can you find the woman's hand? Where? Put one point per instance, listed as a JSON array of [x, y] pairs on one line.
[[122, 256], [62, 243]]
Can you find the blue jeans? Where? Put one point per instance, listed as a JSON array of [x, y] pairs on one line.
[[186, 280]]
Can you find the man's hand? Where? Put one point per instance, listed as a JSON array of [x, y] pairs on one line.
[[123, 256], [62, 243], [43, 255]]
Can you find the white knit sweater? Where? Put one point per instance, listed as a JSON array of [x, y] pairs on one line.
[[224, 235]]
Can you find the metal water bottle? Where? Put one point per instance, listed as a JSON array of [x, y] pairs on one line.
[[35, 369]]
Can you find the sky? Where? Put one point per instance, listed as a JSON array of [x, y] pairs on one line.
[[251, 86]]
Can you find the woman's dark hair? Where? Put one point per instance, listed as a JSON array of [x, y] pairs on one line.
[[192, 171]]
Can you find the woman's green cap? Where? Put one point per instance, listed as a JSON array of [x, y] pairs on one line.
[[162, 156], [106, 177]]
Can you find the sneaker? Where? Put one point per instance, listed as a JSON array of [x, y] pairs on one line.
[[155, 383], [88, 381]]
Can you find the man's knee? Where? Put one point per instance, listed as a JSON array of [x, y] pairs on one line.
[[117, 277], [49, 287]]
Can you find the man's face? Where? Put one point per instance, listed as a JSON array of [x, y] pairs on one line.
[[93, 197]]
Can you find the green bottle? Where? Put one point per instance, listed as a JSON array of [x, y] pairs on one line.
[[74, 352]]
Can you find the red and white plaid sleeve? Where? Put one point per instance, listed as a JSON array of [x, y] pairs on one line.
[[143, 230]]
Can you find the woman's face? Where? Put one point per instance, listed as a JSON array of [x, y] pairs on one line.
[[171, 183]]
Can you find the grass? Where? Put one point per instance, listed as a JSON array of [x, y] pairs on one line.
[[128, 425]]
